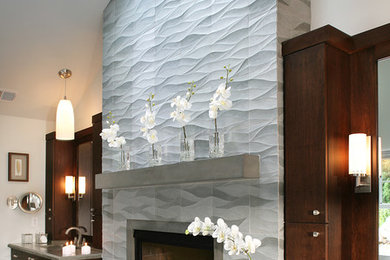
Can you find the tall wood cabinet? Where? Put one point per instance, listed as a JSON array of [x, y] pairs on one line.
[[62, 159], [59, 209], [316, 92]]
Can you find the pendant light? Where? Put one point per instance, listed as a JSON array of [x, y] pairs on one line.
[[65, 116]]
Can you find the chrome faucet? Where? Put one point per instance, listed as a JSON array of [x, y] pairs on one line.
[[78, 240]]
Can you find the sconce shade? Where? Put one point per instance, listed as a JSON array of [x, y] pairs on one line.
[[359, 154], [69, 185], [65, 120], [82, 182]]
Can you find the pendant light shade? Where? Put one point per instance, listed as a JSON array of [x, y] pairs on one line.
[[65, 120], [65, 115]]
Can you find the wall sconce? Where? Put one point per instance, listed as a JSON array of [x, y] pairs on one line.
[[82, 181], [70, 184], [70, 187], [360, 161]]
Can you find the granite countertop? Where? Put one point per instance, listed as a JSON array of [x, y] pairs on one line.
[[54, 251]]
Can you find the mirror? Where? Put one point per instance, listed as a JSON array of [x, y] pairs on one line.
[[384, 157], [84, 204], [12, 202], [30, 202]]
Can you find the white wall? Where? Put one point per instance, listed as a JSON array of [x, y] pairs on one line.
[[90, 104], [22, 135], [350, 16], [91, 100]]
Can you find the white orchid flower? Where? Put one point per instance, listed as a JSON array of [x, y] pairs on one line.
[[149, 119], [221, 231], [183, 118], [106, 133], [152, 136], [181, 104], [235, 232], [176, 101], [113, 143], [224, 104], [195, 227], [184, 104], [174, 115], [121, 140], [213, 114], [234, 246], [208, 227], [251, 244], [213, 108], [144, 131], [223, 91], [114, 127]]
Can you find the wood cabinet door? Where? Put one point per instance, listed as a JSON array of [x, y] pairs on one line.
[[305, 136], [306, 241]]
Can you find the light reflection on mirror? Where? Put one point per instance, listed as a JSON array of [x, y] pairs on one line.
[[384, 157], [30, 202]]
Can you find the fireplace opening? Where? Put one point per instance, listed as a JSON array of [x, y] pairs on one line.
[[152, 245]]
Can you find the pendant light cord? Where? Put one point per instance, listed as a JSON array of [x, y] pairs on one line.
[[65, 90]]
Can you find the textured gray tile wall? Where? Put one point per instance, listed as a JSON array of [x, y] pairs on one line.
[[157, 46]]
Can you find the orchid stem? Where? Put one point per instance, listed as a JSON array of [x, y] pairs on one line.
[[186, 145]]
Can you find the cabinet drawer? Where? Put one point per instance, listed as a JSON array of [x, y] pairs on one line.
[[306, 241], [19, 255]]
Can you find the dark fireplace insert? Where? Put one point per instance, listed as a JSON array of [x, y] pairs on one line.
[[152, 245]]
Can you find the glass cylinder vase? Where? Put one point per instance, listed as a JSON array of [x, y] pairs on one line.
[[187, 148], [125, 157], [216, 144], [155, 155]]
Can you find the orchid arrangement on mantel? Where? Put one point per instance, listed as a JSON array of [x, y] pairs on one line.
[[181, 104], [220, 101], [148, 121], [110, 134], [233, 240]]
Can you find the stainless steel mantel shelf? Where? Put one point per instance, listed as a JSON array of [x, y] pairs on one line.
[[237, 167]]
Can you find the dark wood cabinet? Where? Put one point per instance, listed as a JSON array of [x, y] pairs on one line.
[[62, 159], [316, 130], [58, 208], [19, 255], [307, 241], [96, 210]]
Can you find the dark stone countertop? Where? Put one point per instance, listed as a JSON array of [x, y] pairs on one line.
[[54, 251]]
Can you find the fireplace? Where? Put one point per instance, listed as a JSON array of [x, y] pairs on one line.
[[155, 240], [151, 245]]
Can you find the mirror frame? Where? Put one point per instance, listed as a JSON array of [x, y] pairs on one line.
[[21, 199]]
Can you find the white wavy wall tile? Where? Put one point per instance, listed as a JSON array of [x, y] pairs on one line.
[[158, 46]]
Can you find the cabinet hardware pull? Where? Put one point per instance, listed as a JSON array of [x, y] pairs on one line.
[[92, 220], [49, 218], [49, 209], [316, 212], [15, 256], [316, 234]]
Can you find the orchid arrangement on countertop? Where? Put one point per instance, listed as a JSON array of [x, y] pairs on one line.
[[148, 121], [233, 240], [220, 100], [181, 104], [111, 134]]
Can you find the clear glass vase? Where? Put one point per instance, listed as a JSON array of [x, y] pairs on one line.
[[125, 157], [187, 148], [216, 145], [155, 155]]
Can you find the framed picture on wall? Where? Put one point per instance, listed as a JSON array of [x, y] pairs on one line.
[[18, 167]]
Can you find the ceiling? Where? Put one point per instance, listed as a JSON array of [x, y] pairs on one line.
[[37, 39]]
